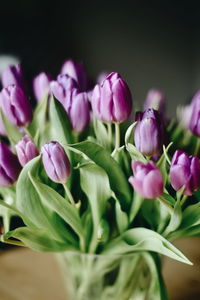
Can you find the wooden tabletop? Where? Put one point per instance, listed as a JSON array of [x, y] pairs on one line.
[[29, 275]]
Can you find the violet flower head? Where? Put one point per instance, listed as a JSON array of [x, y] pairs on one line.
[[194, 124], [9, 166], [16, 105], [63, 89], [56, 162], [149, 132], [79, 111], [155, 99], [185, 171], [26, 150], [147, 179], [13, 75], [101, 77], [111, 101], [184, 114], [77, 72], [41, 86]]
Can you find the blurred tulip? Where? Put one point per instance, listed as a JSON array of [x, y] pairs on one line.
[[185, 171], [147, 179], [77, 72], [9, 166], [41, 86], [155, 99], [26, 150], [13, 75], [16, 106]]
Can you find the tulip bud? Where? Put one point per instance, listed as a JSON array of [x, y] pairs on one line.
[[26, 150], [63, 88], [9, 166], [79, 111], [75, 103], [77, 72], [111, 101], [16, 105], [147, 179], [155, 99], [56, 162], [185, 171], [149, 132], [194, 124], [41, 86], [13, 75], [101, 77], [184, 114]]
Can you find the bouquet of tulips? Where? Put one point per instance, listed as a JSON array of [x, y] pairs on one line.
[[86, 177]]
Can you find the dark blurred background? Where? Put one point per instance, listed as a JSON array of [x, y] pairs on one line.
[[151, 43]]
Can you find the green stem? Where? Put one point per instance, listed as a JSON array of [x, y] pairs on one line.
[[197, 147], [117, 136], [166, 204], [184, 199], [109, 126], [27, 131], [68, 193]]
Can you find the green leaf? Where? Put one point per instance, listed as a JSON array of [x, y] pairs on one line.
[[175, 220], [56, 203], [37, 239], [135, 154], [95, 184], [11, 130], [162, 163], [118, 181], [29, 203], [121, 218], [135, 206], [123, 159], [143, 239], [39, 118], [129, 132], [168, 198], [101, 134], [60, 124]]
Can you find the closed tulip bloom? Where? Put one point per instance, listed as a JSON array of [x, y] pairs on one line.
[[149, 132], [16, 105], [185, 171], [111, 101], [101, 77], [9, 166], [147, 179], [26, 150], [194, 124], [13, 75], [56, 162], [77, 72], [41, 86], [79, 111], [155, 99], [184, 114], [63, 89]]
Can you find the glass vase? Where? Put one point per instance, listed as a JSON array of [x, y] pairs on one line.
[[111, 277]]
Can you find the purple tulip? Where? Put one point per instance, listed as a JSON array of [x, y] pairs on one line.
[[184, 114], [111, 101], [16, 105], [56, 162], [79, 111], [41, 86], [13, 75], [149, 132], [194, 124], [75, 103], [147, 179], [26, 150], [77, 72], [101, 77], [155, 99], [9, 166], [185, 171]]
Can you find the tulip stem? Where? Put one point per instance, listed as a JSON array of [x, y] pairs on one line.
[[117, 136], [109, 126], [68, 193], [166, 204], [27, 132], [184, 199], [196, 151]]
